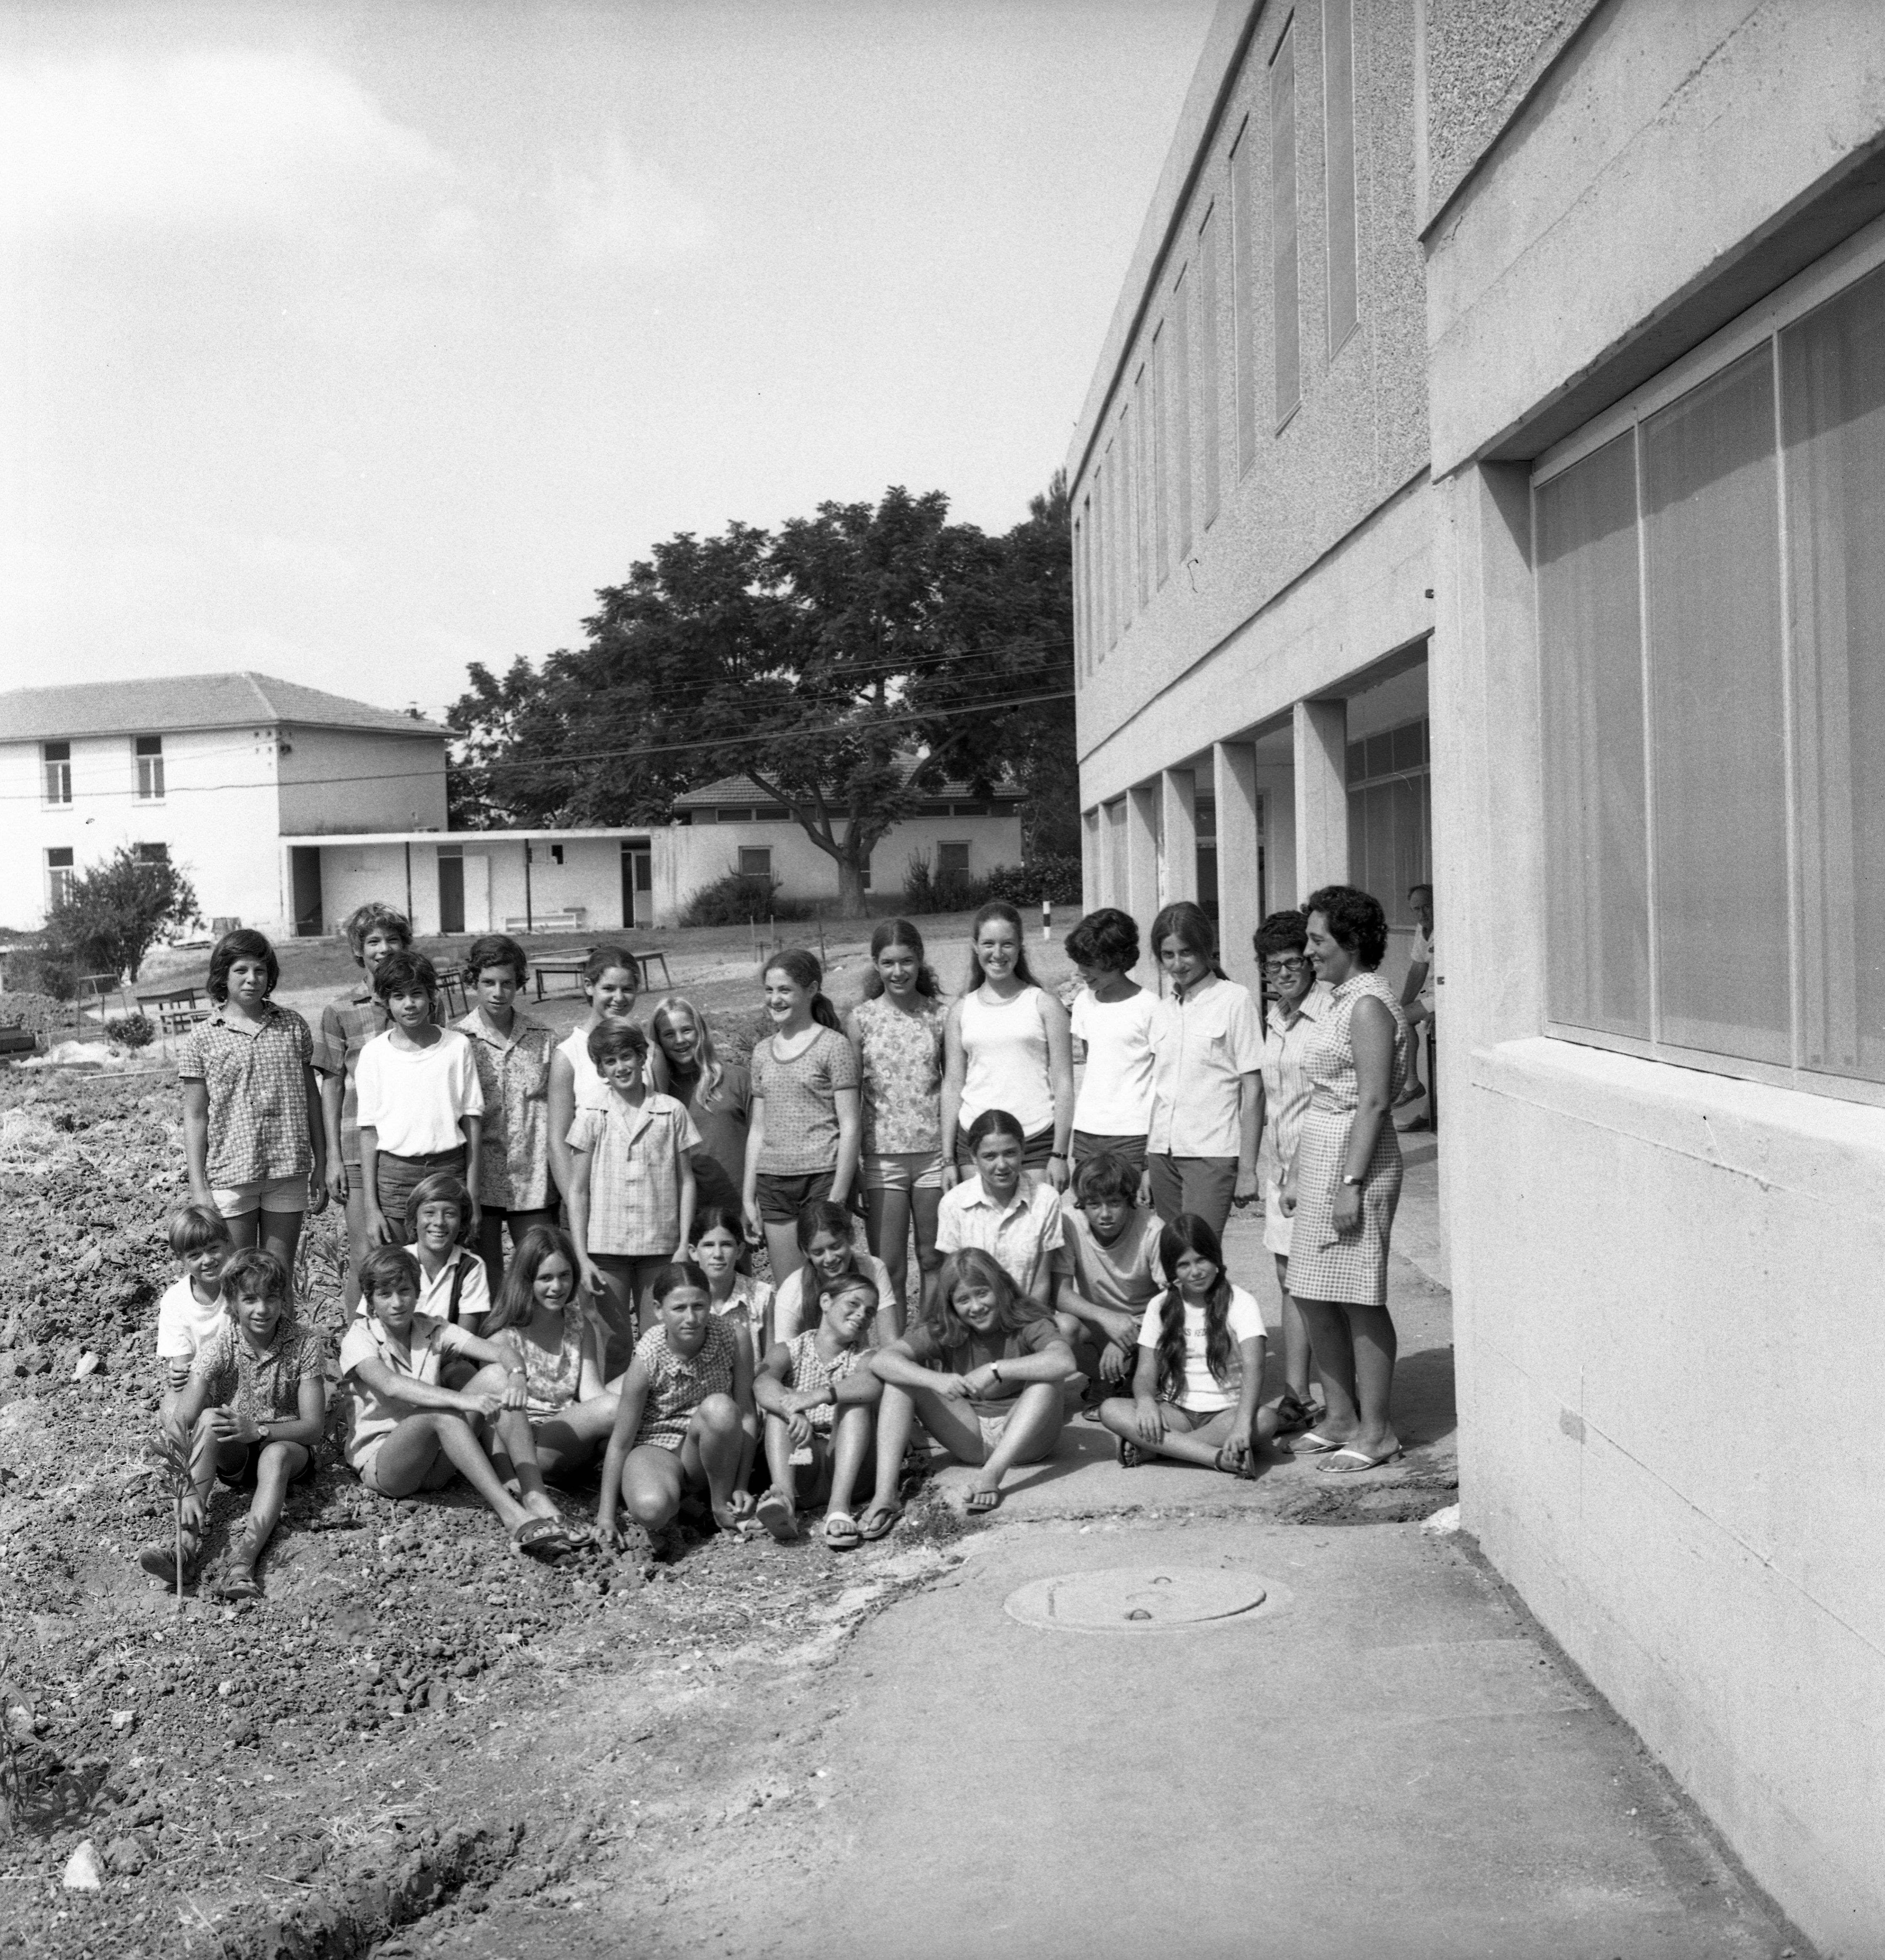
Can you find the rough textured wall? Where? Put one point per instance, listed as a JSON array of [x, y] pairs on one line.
[[1482, 57]]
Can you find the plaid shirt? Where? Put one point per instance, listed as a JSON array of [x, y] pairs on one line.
[[634, 1174], [346, 1027], [265, 1387], [514, 1151], [257, 1075]]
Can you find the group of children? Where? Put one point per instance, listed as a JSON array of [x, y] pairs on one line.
[[1044, 1268]]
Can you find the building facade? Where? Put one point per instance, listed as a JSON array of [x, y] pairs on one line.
[[1621, 513]]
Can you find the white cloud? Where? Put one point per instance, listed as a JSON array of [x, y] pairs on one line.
[[192, 140], [617, 209]]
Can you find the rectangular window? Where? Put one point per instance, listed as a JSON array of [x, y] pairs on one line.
[[152, 854], [1711, 588], [56, 759], [755, 860], [1338, 148], [149, 750], [1161, 453], [1144, 492], [59, 875], [733, 813], [1207, 358], [1180, 412], [1391, 816], [1282, 223], [1103, 571], [951, 860], [1083, 629], [1244, 262]]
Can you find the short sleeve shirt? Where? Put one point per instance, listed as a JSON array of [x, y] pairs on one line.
[[677, 1386], [257, 1075], [1123, 1276], [347, 1026], [808, 1369], [184, 1323], [473, 1289], [1115, 1097], [801, 1102], [720, 1164], [1201, 1047], [263, 1387], [513, 1148], [376, 1416], [901, 1055], [747, 1311], [1203, 1392], [413, 1098], [1019, 1235], [1033, 1336], [635, 1176], [796, 1302]]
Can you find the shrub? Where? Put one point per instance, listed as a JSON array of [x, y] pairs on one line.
[[736, 898], [1056, 879], [40, 1012], [116, 912], [926, 891], [32, 970], [130, 1030]]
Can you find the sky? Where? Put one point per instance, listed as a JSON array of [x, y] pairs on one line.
[[353, 343]]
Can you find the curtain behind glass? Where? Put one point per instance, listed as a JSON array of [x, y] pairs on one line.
[[1711, 552], [1591, 657], [1833, 371]]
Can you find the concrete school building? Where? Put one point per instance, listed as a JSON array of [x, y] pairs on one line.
[[209, 771], [1517, 373]]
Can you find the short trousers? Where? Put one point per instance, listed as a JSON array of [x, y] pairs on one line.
[[1036, 1148], [1086, 1144], [903, 1170], [1201, 1185], [399, 1177], [782, 1198], [281, 1195], [243, 1478]]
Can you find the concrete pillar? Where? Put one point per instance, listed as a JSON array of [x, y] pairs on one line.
[[1178, 836], [1141, 897], [1239, 899], [1276, 787], [1321, 759], [1092, 859]]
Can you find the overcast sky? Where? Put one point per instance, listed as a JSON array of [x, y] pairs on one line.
[[352, 343]]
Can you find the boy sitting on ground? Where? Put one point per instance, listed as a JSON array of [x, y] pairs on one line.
[[1106, 1270]]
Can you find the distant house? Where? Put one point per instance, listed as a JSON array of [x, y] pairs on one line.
[[212, 772]]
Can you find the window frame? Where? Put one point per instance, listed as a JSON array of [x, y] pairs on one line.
[[147, 766], [49, 761], [59, 878], [1761, 324], [746, 871]]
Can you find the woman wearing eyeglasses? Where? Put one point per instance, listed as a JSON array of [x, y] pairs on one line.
[[1297, 1002]]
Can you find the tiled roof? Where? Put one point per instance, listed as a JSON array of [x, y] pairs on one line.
[[178, 701], [733, 791]]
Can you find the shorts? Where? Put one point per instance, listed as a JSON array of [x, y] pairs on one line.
[[399, 1177], [243, 1477], [1036, 1148], [783, 1197], [1086, 1144], [281, 1195], [903, 1170]]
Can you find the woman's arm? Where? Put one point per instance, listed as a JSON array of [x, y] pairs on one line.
[[1052, 1363], [742, 1500], [196, 1139], [850, 1129], [589, 1379], [899, 1365], [1250, 1123], [333, 1089], [1371, 1034], [750, 1184], [1147, 1416], [955, 1071], [379, 1232], [517, 1394], [1054, 1018], [561, 1098], [621, 1440]]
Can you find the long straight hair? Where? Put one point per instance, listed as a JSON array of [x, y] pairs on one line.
[[711, 1068], [901, 933], [977, 1268], [1189, 924], [516, 1304], [1188, 1233], [803, 969], [999, 908]]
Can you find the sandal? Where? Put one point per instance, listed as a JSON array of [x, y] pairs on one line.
[[979, 1503], [1293, 1413], [239, 1583], [160, 1561], [880, 1521], [776, 1514], [1129, 1454], [543, 1539], [841, 1531]]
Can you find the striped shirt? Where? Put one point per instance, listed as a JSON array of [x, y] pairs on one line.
[[1286, 1039]]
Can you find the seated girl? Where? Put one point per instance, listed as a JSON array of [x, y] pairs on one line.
[[410, 1433], [830, 1251], [560, 1348], [819, 1405], [982, 1372], [684, 1420], [1195, 1393], [744, 1303]]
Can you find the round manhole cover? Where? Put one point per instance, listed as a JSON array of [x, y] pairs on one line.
[[1136, 1598]]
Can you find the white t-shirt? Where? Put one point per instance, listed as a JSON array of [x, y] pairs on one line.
[[794, 1307], [183, 1323], [1202, 1393], [474, 1295], [1115, 1097], [412, 1098], [592, 1092]]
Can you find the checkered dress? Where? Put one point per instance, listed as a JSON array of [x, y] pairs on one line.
[[1352, 1269], [257, 1081], [677, 1386], [811, 1370]]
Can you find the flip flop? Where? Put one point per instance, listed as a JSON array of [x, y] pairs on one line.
[[1313, 1443], [841, 1531], [1293, 1413], [978, 1503], [239, 1585], [542, 1538], [1129, 1454], [1347, 1462], [777, 1515], [880, 1521]]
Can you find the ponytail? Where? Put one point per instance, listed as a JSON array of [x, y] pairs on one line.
[[803, 969]]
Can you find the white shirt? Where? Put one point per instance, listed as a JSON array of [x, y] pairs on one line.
[[412, 1098], [1203, 1392], [375, 1417], [1115, 1098], [592, 1092], [183, 1323], [474, 1296], [1201, 1045], [795, 1304], [1018, 1236]]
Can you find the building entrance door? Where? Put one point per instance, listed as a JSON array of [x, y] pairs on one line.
[[638, 882], [477, 880], [304, 874]]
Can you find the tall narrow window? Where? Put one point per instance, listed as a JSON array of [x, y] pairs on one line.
[[56, 757], [1082, 592], [1161, 365], [150, 754], [59, 875], [1103, 570], [1244, 291], [1338, 149], [1143, 491], [1180, 410], [1283, 223], [1207, 358]]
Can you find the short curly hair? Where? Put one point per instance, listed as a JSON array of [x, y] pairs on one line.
[[1355, 922], [240, 944], [1107, 938], [608, 1039], [496, 949], [374, 916], [1281, 932], [401, 972]]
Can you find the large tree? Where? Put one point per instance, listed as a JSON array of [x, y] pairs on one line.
[[849, 664]]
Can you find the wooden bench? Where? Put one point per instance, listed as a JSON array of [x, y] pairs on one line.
[[570, 964], [573, 918], [574, 963], [176, 1012]]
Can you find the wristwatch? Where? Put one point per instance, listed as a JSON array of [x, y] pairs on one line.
[[994, 1373], [1356, 1181]]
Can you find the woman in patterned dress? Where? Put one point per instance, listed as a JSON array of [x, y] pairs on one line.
[[1343, 1186]]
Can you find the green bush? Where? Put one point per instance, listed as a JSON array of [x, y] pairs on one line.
[[130, 1030], [1056, 879], [735, 898]]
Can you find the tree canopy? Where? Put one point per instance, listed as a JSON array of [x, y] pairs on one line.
[[116, 912], [849, 664]]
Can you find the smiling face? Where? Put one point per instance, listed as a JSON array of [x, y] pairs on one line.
[[827, 1254], [378, 946], [679, 1037], [621, 1071], [684, 1313], [411, 1008], [847, 1314], [258, 1317], [248, 981], [976, 1307], [437, 1225], [1288, 977], [205, 1266], [896, 968], [997, 947], [613, 996], [998, 1161], [1196, 1274], [1332, 962], [717, 1252], [787, 1003], [1183, 965], [496, 989], [555, 1283], [392, 1304]]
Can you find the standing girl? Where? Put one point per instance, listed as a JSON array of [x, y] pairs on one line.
[[1007, 1045], [743, 1302], [802, 1141], [1207, 1046], [513, 1053], [1344, 1183], [717, 1094], [253, 1133], [1200, 1371], [1112, 1020], [421, 1106], [897, 1030], [826, 1249], [612, 980]]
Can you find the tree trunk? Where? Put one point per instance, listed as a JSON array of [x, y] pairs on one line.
[[850, 887]]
